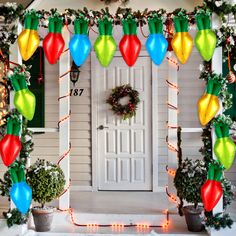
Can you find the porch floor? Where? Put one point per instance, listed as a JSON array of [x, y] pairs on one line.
[[124, 205], [119, 207], [110, 202]]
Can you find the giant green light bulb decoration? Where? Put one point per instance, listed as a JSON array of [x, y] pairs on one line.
[[105, 45], [24, 99], [224, 147], [205, 39]]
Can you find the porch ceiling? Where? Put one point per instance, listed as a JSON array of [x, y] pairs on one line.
[[25, 3], [97, 4]]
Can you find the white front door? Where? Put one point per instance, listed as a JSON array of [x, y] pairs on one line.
[[124, 146]]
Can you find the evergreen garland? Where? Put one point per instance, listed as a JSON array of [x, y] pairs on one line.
[[218, 221], [26, 142], [14, 216]]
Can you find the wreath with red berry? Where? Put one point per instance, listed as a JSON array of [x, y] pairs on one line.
[[128, 110]]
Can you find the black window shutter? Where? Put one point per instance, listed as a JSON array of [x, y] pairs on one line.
[[37, 87]]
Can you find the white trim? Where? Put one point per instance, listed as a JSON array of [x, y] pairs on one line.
[[64, 110], [173, 121], [191, 130], [46, 130], [155, 172], [216, 67], [94, 123]]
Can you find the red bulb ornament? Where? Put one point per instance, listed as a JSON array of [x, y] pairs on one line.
[[130, 44], [211, 190], [10, 145], [53, 43]]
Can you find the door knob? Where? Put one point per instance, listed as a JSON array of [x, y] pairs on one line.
[[101, 127]]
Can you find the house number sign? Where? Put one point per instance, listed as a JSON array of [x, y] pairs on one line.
[[76, 92]]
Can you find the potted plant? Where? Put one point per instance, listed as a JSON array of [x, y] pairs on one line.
[[189, 178], [47, 182]]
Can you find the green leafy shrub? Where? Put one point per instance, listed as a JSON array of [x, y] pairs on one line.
[[47, 181], [189, 178]]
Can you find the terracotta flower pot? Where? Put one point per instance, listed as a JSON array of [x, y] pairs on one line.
[[42, 218], [193, 218]]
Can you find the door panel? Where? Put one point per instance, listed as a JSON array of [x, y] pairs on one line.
[[124, 146]]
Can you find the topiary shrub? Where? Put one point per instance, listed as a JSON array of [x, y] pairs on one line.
[[47, 181], [189, 178]]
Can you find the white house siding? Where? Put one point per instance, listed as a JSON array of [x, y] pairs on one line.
[[46, 145], [191, 88]]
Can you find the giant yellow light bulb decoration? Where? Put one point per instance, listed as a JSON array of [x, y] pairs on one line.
[[208, 104], [28, 39], [182, 42]]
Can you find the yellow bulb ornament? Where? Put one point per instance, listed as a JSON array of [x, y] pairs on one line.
[[182, 42], [28, 40], [208, 104]]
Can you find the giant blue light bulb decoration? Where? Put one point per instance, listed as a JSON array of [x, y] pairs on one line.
[[79, 44], [20, 192], [156, 43]]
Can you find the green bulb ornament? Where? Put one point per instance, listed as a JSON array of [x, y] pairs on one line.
[[24, 99], [205, 39], [224, 147], [105, 45]]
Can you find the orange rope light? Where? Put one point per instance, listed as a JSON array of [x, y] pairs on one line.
[[172, 85], [65, 50], [171, 172], [171, 126], [172, 197], [171, 146], [67, 117], [67, 188], [174, 62], [65, 96], [64, 155], [117, 226], [63, 75], [171, 106], [141, 30], [91, 28]]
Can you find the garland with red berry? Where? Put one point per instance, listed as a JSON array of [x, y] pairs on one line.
[[128, 110]]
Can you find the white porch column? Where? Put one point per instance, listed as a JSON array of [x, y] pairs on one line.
[[172, 121], [217, 68], [64, 111]]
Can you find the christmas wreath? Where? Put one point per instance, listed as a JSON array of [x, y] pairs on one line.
[[128, 110]]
